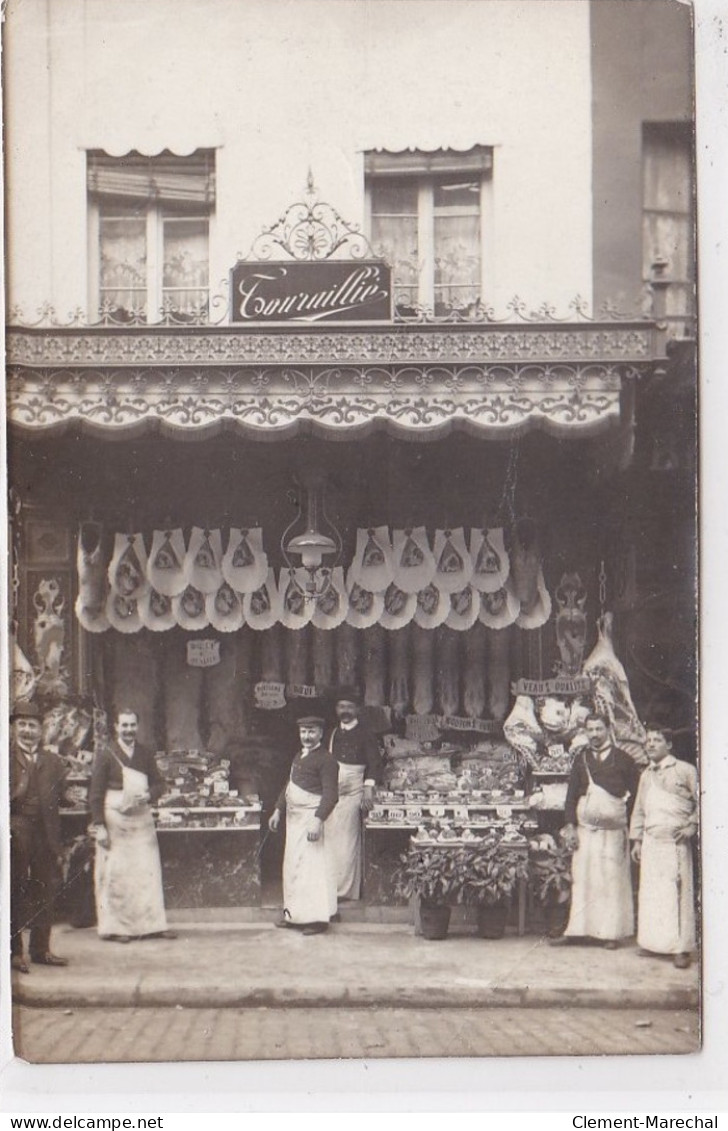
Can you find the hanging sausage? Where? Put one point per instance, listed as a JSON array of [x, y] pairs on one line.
[[423, 670], [447, 670], [271, 655], [499, 670], [347, 655], [296, 649], [322, 647], [399, 685], [375, 665], [475, 678]]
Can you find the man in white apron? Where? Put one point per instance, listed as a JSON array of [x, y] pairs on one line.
[[601, 790], [309, 873], [357, 754], [664, 820], [125, 783]]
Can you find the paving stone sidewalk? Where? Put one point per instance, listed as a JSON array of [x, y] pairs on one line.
[[357, 964]]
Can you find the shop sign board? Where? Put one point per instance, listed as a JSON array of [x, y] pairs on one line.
[[203, 653], [270, 695], [319, 291], [301, 691], [578, 685]]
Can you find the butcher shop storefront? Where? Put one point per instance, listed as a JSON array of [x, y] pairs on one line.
[[220, 525]]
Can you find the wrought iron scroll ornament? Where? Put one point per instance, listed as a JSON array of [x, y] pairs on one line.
[[311, 230]]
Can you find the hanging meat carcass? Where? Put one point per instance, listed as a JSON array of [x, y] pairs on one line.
[[611, 694], [611, 691], [92, 579], [423, 670], [271, 657]]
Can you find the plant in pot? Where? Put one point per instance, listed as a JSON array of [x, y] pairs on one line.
[[549, 881], [434, 876], [491, 876]]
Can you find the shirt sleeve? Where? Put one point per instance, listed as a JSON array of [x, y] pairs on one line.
[[576, 787], [637, 823], [691, 781], [329, 786], [98, 786], [632, 775], [374, 763]]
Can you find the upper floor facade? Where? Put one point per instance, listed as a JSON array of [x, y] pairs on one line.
[[488, 149]]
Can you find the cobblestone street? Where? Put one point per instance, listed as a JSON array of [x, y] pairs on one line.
[[157, 1034]]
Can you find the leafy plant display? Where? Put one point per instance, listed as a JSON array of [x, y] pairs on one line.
[[476, 875], [549, 870], [492, 873]]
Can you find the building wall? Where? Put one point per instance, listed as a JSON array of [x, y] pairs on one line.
[[641, 72], [283, 85]]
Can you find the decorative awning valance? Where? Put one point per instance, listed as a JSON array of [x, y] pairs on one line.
[[419, 380]]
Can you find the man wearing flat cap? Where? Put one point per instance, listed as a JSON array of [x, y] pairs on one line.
[[309, 874], [37, 779], [359, 761]]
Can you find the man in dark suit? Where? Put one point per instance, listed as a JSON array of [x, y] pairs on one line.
[[37, 778]]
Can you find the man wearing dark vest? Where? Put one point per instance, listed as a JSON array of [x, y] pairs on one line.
[[37, 778], [357, 753]]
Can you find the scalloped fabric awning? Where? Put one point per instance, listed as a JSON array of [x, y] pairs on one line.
[[418, 381]]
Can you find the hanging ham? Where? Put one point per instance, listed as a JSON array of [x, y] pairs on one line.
[[610, 691], [127, 569], [423, 670], [245, 564], [491, 564], [475, 678], [454, 566], [414, 562], [372, 566], [165, 567], [202, 561]]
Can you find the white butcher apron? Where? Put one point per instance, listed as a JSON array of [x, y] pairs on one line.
[[666, 904], [343, 830], [602, 905], [128, 873], [309, 874]]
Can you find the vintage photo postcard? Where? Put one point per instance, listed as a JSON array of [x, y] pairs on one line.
[[352, 476]]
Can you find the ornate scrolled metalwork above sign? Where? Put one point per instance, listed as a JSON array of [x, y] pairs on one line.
[[309, 231]]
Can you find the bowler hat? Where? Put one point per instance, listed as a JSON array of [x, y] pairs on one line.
[[348, 694], [24, 709]]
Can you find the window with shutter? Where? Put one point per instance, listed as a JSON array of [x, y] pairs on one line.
[[148, 235], [427, 216], [667, 216]]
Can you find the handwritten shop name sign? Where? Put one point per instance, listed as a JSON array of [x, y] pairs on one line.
[[330, 290]]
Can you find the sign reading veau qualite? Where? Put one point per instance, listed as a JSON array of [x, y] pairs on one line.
[[323, 291]]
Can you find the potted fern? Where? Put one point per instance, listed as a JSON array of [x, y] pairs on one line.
[[549, 880], [491, 876], [434, 876]]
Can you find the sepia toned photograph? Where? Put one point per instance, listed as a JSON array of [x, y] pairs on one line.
[[352, 469]]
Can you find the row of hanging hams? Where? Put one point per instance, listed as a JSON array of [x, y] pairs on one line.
[[391, 582]]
